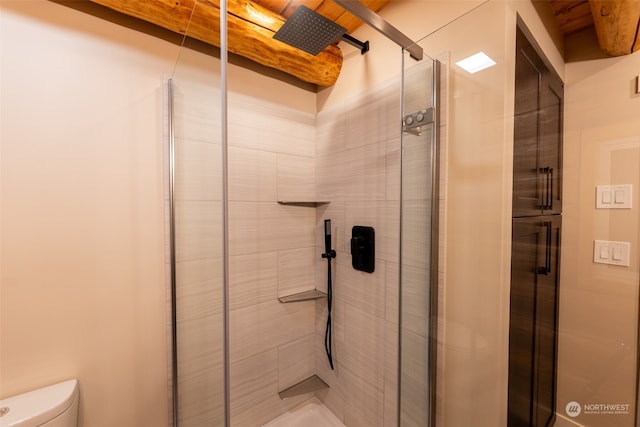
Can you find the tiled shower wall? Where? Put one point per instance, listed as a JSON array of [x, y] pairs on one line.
[[348, 155], [199, 252], [358, 171], [271, 158]]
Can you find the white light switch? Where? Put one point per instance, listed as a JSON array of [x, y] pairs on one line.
[[614, 253], [604, 252], [613, 196]]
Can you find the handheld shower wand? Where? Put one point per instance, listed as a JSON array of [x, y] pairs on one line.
[[328, 254]]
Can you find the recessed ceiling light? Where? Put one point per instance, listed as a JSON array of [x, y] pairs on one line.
[[476, 63]]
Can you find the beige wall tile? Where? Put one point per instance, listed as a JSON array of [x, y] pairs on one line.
[[198, 230], [393, 169], [294, 274], [364, 403], [198, 170], [253, 279], [355, 174], [268, 325], [296, 361], [270, 127], [196, 112], [199, 288], [392, 293], [359, 289], [200, 369], [391, 365], [258, 227], [330, 130], [254, 390], [415, 299], [414, 385], [416, 236], [296, 178], [416, 165], [373, 116], [364, 354], [252, 175]]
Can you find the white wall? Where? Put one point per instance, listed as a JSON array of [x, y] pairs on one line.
[[82, 215], [83, 262], [599, 303]]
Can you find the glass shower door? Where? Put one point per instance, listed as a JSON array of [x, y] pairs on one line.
[[418, 261], [197, 253]]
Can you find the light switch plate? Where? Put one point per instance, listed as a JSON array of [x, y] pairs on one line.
[[614, 196], [614, 253]]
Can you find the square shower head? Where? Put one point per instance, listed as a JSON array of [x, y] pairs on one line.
[[309, 31]]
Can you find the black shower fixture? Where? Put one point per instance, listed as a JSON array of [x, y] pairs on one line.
[[311, 32]]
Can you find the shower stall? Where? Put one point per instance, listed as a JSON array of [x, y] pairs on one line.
[[250, 182], [423, 157]]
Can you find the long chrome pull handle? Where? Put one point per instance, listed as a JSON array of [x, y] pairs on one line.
[[546, 269]]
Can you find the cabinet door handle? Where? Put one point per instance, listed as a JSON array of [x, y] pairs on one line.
[[544, 186], [549, 188], [546, 269]]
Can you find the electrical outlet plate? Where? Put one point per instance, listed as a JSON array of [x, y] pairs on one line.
[[613, 253], [614, 196]]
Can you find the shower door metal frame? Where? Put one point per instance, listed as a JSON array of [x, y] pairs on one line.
[[434, 121], [225, 234]]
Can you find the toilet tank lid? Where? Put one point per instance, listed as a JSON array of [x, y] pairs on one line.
[[33, 408]]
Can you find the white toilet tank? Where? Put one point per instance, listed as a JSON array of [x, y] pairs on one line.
[[53, 406]]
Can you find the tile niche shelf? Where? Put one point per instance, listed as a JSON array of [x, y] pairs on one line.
[[314, 293], [308, 204], [308, 385], [303, 296]]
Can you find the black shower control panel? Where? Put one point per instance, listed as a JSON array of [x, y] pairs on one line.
[[363, 248]]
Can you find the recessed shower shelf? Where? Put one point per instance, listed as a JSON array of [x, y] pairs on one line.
[[308, 385], [305, 204], [303, 296]]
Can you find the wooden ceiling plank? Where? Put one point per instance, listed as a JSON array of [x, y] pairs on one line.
[[562, 6], [330, 10], [294, 4], [375, 5], [577, 24], [575, 19], [349, 21], [275, 5]]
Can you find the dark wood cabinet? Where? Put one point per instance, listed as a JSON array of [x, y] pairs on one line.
[[536, 233], [537, 167], [534, 320]]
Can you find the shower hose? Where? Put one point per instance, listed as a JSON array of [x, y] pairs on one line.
[[327, 333]]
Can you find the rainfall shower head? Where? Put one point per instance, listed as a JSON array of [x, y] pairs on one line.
[[309, 31]]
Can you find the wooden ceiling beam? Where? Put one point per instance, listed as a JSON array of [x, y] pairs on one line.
[[616, 24], [250, 33]]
